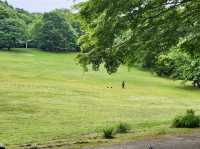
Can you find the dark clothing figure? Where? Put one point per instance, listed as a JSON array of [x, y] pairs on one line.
[[123, 84]]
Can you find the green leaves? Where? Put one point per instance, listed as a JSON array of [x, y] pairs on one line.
[[11, 27], [56, 33], [154, 27], [11, 32]]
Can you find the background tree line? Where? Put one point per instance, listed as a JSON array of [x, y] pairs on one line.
[[54, 31]]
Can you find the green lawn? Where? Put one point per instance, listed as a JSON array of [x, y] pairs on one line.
[[47, 97]]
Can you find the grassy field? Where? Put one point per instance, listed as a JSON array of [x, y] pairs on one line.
[[46, 97]]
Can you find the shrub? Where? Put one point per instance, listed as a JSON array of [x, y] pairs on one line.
[[34, 147], [122, 128], [191, 72], [189, 120], [108, 133], [172, 64], [165, 66]]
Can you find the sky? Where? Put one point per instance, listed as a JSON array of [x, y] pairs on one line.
[[42, 5]]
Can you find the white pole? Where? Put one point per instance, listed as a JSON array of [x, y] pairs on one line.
[[26, 44]]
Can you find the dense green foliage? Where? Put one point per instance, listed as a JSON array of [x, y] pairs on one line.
[[56, 34], [137, 32], [11, 27], [108, 133], [179, 65], [172, 64], [192, 72], [122, 128], [53, 31], [189, 120]]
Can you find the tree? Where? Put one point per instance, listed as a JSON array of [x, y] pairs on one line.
[[173, 64], [10, 33], [179, 65], [11, 30], [192, 72], [56, 34], [154, 27]]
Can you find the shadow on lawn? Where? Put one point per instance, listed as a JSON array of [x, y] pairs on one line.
[[187, 88], [16, 50]]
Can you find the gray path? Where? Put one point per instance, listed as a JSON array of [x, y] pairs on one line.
[[191, 141]]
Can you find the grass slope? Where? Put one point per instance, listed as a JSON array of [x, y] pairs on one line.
[[46, 97]]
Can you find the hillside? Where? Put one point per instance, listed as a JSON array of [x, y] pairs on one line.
[[47, 97]]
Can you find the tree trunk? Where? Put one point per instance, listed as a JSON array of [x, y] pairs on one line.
[[26, 44], [194, 84], [9, 47], [198, 84]]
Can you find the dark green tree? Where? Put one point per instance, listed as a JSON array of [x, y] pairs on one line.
[[11, 28], [56, 34]]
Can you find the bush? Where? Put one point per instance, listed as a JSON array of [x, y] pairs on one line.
[[108, 133], [189, 120], [122, 128], [165, 66], [34, 146], [172, 64], [192, 72]]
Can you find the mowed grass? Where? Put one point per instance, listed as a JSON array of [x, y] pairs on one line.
[[46, 97]]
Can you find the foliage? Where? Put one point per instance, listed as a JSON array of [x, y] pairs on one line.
[[179, 65], [11, 28], [154, 28], [10, 33], [191, 72], [172, 64], [34, 146], [108, 133], [189, 120], [165, 65], [56, 34], [27, 17], [72, 18], [34, 31], [122, 128]]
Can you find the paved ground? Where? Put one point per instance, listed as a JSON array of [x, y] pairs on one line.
[[191, 141]]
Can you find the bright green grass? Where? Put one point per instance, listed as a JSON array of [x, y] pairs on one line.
[[46, 97]]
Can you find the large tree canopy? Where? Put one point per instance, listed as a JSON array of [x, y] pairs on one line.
[[11, 27], [56, 34], [128, 31]]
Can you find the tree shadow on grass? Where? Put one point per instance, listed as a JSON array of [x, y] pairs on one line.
[[20, 50], [187, 87]]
